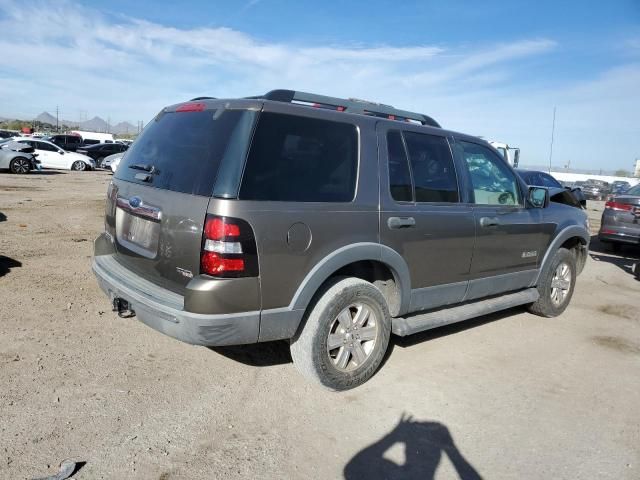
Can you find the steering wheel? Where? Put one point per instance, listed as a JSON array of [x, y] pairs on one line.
[[505, 197]]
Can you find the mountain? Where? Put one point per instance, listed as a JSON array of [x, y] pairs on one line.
[[96, 124], [123, 127], [46, 117]]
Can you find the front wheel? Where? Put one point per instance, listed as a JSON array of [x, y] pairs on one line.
[[345, 336], [20, 165], [79, 166], [556, 285]]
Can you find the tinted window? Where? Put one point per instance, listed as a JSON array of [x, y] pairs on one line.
[[73, 139], [399, 175], [88, 141], [549, 181], [45, 146], [185, 148], [298, 159], [434, 175], [494, 183]]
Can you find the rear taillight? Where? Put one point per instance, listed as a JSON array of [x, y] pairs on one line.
[[228, 248], [611, 205]]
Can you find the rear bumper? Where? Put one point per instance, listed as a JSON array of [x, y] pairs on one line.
[[619, 237], [163, 310]]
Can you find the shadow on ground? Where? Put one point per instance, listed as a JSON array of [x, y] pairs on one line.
[[3, 217], [424, 445], [625, 257], [265, 354], [6, 264]]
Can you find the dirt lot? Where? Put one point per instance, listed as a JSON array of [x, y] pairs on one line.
[[506, 396]]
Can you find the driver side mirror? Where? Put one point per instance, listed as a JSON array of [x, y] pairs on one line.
[[538, 197], [61, 152]]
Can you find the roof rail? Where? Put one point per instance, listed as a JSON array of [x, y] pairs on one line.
[[351, 105]]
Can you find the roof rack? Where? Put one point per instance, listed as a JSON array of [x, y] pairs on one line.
[[351, 105], [202, 98]]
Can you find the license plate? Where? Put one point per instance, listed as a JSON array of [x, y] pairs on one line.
[[137, 234]]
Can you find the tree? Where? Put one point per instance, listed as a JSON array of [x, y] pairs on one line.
[[622, 173]]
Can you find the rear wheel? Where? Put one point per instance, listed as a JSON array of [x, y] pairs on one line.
[[79, 166], [556, 285], [20, 165], [345, 336], [615, 247]]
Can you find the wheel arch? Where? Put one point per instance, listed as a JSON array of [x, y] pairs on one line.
[[373, 262], [574, 238]]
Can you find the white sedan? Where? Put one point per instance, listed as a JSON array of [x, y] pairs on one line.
[[52, 156]]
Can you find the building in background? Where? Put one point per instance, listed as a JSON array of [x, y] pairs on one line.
[[637, 171]]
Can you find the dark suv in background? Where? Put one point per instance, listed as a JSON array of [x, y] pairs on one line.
[[328, 222], [67, 142], [102, 150]]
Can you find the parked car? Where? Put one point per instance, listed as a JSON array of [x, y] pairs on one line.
[[18, 158], [52, 156], [619, 186], [69, 143], [102, 150], [557, 190], [249, 220], [620, 223], [595, 189], [111, 159], [115, 164]]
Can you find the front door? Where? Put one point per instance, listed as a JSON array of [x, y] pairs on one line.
[[510, 237], [422, 216]]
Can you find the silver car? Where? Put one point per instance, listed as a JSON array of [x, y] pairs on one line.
[[621, 219], [17, 158]]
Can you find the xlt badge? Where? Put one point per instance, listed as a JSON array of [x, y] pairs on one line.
[[532, 253]]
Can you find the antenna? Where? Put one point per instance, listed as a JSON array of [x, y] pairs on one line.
[[553, 129]]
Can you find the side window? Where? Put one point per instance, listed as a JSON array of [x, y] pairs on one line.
[[434, 174], [549, 181], [493, 181], [399, 176], [300, 159], [46, 146]]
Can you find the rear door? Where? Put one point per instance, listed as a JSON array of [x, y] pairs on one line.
[[423, 216], [160, 193], [510, 238]]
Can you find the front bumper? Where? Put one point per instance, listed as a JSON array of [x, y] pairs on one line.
[[163, 310]]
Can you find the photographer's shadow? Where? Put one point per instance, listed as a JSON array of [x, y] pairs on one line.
[[424, 442]]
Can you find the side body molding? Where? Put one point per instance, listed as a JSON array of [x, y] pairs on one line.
[[565, 234]]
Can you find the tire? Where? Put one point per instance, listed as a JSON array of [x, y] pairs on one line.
[[78, 166], [20, 165], [562, 273], [615, 247], [342, 302]]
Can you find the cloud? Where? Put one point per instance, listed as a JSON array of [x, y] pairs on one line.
[[128, 68]]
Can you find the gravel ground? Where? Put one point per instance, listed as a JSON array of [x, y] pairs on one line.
[[510, 395]]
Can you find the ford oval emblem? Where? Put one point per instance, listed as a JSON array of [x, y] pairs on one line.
[[135, 202]]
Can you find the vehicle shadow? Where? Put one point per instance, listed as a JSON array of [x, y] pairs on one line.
[[424, 442], [3, 217], [6, 264], [267, 354], [49, 172], [625, 258]]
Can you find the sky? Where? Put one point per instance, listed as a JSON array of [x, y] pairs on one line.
[[495, 69]]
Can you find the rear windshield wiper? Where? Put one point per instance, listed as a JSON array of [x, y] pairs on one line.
[[139, 166]]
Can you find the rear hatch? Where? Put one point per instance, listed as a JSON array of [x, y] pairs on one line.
[[158, 199], [626, 209]]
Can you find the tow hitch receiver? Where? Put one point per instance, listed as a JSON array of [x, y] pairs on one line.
[[122, 307]]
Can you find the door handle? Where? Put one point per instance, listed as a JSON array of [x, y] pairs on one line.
[[489, 222], [401, 222]]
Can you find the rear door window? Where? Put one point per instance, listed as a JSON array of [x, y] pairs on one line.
[[184, 149], [399, 173], [434, 175], [301, 159]]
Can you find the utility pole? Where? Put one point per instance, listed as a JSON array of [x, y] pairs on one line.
[[553, 129], [57, 121]]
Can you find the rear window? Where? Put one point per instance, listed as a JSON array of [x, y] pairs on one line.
[[184, 148], [299, 159]]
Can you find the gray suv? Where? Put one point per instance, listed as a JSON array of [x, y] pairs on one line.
[[331, 223]]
